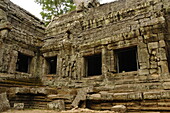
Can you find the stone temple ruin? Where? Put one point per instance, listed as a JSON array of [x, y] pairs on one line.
[[114, 54]]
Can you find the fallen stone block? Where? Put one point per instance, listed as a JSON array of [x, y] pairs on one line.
[[58, 105], [81, 95], [119, 108], [19, 106]]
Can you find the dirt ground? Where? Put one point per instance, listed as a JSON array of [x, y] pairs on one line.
[[31, 111], [53, 111]]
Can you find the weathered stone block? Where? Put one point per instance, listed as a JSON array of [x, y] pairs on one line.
[[119, 108], [166, 85], [21, 90], [152, 71], [4, 103], [152, 95], [107, 96], [153, 45], [162, 54], [165, 94], [58, 105], [135, 96], [19, 106], [153, 64], [162, 43], [95, 97], [120, 96], [164, 67], [52, 96], [143, 72], [155, 76], [81, 95], [144, 66], [141, 44], [143, 55], [42, 91]]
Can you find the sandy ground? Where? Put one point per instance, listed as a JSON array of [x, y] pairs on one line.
[[53, 111], [30, 111]]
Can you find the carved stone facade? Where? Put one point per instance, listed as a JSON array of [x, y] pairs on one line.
[[114, 54], [20, 33], [138, 32]]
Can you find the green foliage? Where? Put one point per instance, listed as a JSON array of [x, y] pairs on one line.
[[54, 7]]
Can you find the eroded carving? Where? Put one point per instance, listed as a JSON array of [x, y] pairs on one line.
[[81, 4]]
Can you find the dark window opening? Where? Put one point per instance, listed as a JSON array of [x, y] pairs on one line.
[[23, 63], [127, 60], [94, 65], [52, 65]]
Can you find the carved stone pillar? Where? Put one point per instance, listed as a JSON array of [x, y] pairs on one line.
[[104, 61]]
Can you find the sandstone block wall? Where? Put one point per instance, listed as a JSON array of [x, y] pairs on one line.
[[106, 29], [61, 53], [21, 32]]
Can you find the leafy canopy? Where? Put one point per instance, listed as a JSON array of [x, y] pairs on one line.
[[54, 7]]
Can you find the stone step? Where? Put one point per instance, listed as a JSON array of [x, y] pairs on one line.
[[132, 106], [120, 88], [138, 87], [139, 102], [16, 83], [138, 111], [31, 104]]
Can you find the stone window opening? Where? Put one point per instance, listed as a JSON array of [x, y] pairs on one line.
[[127, 60], [52, 65], [23, 63], [93, 65]]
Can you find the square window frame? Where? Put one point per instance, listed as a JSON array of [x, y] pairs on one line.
[[117, 51], [29, 59], [86, 64]]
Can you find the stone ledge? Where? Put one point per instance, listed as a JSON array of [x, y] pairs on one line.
[[152, 95]]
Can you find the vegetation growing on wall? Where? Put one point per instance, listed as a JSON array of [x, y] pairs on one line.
[[54, 7]]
